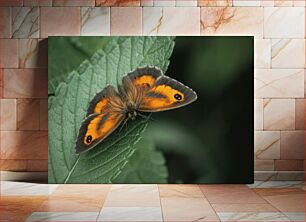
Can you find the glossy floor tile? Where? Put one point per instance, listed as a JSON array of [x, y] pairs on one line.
[[26, 189], [298, 216], [133, 196], [285, 201], [277, 184], [262, 207], [187, 209], [71, 204], [253, 216], [63, 216], [18, 208], [230, 194], [130, 214]]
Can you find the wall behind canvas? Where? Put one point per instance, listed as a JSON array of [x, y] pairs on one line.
[[278, 27]]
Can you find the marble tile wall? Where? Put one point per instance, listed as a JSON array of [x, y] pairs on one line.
[[278, 27]]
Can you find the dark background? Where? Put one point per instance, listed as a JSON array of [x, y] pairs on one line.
[[211, 140]]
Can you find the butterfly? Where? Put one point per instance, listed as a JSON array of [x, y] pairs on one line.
[[145, 89]]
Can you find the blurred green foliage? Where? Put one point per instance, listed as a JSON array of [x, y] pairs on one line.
[[211, 140]]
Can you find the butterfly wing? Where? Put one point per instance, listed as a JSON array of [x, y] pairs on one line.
[[166, 94], [96, 128], [145, 76], [102, 100], [104, 115]]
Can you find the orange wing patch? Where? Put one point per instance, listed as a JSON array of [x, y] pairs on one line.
[[101, 105], [101, 126], [161, 96], [96, 128], [165, 94], [145, 80], [101, 101]]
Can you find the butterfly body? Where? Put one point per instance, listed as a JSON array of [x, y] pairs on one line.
[[143, 90]]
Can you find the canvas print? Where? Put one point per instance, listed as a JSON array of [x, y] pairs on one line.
[[148, 109]]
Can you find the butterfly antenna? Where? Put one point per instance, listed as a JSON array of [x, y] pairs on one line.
[[151, 118], [142, 115], [123, 124]]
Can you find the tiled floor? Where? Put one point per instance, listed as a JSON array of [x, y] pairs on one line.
[[262, 201]]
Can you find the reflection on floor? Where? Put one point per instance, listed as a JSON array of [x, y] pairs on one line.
[[262, 201]]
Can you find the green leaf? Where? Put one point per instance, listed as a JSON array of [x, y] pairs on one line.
[[146, 165], [67, 109]]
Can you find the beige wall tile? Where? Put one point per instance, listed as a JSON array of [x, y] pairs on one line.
[[267, 145], [27, 114], [279, 114], [37, 165], [51, 17], [33, 53], [292, 144], [1, 83], [263, 53], [25, 83], [246, 3], [279, 83], [160, 21], [163, 3], [8, 53], [4, 3], [299, 3], [266, 3], [280, 3], [8, 114], [117, 2], [284, 22], [126, 21], [212, 3], [43, 114], [95, 21], [24, 145], [300, 114], [13, 165], [73, 2], [5, 22], [37, 2], [232, 20], [264, 165], [305, 82], [186, 3], [289, 165], [146, 2], [258, 114], [25, 22], [284, 50]]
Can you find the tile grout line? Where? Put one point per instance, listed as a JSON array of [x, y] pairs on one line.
[[278, 210], [161, 208], [104, 202], [209, 202]]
